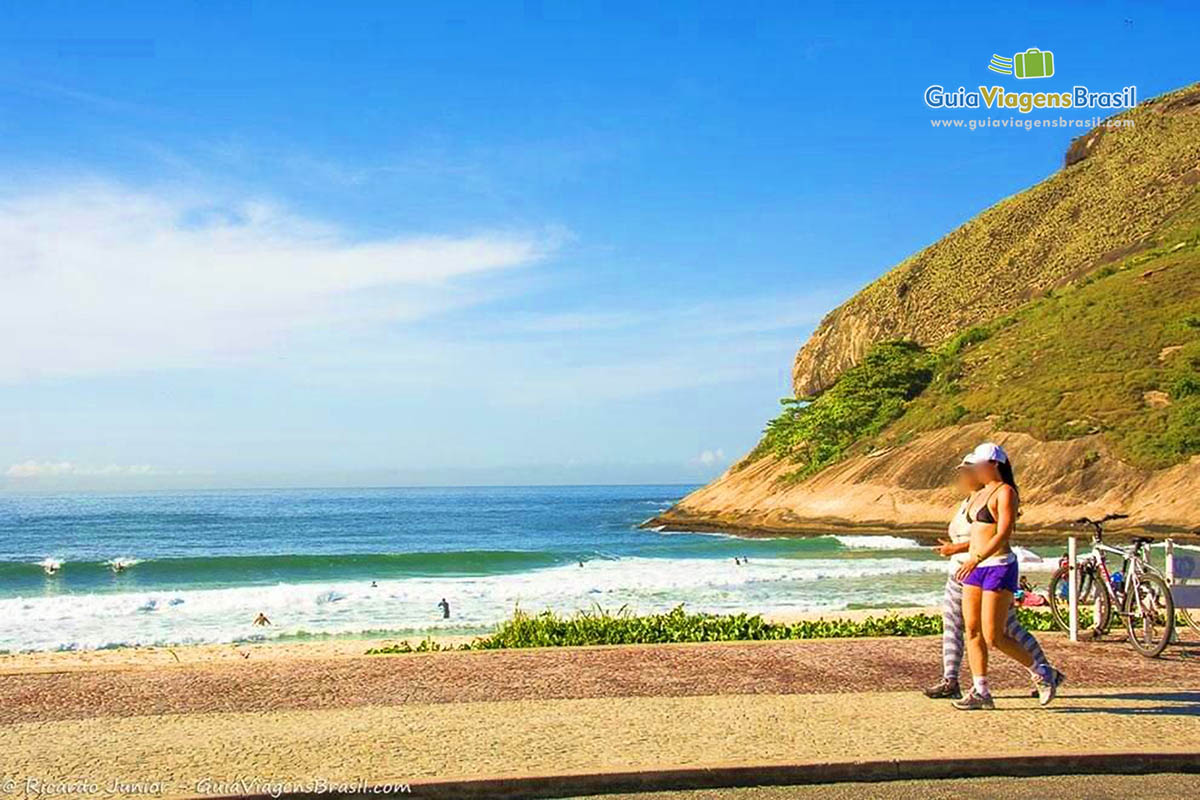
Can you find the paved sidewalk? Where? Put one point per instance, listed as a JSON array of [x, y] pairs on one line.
[[741, 668], [539, 737], [191, 729]]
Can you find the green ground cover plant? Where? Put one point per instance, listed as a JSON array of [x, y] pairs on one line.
[[599, 627]]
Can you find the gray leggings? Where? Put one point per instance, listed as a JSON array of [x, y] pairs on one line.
[[952, 633]]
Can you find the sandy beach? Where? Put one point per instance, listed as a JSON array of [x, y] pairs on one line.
[[287, 650]]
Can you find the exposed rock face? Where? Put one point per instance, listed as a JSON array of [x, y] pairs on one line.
[[1120, 186], [909, 489]]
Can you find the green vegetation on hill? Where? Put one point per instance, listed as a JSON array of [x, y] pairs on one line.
[[1068, 310], [1114, 200], [1117, 355], [863, 401]]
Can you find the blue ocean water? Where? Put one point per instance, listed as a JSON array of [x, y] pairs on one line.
[[101, 570]]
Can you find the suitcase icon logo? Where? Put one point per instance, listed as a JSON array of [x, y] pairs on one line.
[[1033, 63]]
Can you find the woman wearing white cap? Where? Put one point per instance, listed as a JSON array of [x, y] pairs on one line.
[[990, 575], [952, 615]]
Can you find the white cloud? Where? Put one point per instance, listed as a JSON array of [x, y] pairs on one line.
[[710, 457], [58, 469], [99, 277]]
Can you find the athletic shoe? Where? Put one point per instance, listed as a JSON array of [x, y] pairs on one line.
[[1047, 689], [945, 689], [1059, 680], [975, 702]]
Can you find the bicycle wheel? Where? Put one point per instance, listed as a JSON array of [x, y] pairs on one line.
[[1091, 596], [1149, 614]]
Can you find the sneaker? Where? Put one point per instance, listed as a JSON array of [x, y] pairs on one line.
[[1047, 689], [1059, 680], [945, 689], [975, 702]]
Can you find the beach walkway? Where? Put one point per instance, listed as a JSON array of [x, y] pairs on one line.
[[199, 728]]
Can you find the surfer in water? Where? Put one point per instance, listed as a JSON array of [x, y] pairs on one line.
[[445, 607], [261, 620]]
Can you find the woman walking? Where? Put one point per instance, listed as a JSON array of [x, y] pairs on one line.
[[952, 615], [990, 575]]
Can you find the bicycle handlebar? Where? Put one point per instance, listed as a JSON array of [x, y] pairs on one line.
[[1098, 524], [1102, 520]]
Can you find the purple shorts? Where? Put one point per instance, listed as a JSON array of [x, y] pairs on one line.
[[1002, 578]]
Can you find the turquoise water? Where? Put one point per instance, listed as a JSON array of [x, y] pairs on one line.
[[199, 566]]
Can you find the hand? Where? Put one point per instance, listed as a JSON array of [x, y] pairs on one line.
[[966, 569], [945, 548]]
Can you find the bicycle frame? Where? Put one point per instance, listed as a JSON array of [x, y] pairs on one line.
[[1132, 566], [1140, 598]]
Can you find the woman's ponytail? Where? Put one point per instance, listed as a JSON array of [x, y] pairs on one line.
[[1006, 474]]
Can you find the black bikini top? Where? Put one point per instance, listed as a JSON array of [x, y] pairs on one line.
[[984, 514]]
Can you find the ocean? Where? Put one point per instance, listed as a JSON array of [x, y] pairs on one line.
[[198, 567]]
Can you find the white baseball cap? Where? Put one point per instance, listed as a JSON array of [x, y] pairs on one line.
[[988, 451]]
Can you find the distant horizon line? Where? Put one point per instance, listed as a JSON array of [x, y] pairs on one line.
[[51, 491]]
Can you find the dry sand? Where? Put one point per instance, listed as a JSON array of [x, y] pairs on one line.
[[321, 649]]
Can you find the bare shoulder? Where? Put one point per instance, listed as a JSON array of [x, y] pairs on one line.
[[1006, 495]]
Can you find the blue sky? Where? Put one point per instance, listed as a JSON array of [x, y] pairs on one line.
[[269, 244]]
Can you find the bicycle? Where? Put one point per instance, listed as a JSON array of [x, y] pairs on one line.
[[1138, 591]]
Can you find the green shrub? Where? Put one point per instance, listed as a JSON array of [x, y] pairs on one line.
[[1182, 435], [1186, 385], [599, 627], [816, 433]]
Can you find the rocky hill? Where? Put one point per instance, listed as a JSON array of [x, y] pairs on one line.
[[1063, 322], [1118, 189]]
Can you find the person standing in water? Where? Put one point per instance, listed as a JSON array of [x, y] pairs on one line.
[[952, 614], [445, 607], [990, 576]]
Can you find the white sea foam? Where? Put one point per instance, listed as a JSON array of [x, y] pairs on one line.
[[877, 542], [50, 565], [1026, 556], [85, 621]]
